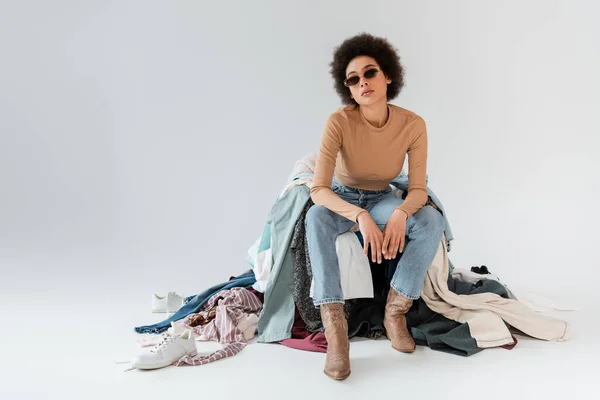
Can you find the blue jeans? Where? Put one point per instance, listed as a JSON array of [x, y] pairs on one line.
[[424, 231]]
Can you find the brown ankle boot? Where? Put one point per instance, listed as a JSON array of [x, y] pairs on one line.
[[395, 322], [337, 362]]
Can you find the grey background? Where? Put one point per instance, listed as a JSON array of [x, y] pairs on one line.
[[142, 143]]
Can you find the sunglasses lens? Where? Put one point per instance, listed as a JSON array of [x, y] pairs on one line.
[[372, 73], [352, 81]]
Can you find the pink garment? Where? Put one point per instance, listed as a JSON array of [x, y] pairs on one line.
[[302, 339], [314, 342], [231, 306], [229, 350], [306, 164]]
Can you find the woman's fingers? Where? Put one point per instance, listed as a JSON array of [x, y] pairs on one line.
[[374, 249], [396, 247], [385, 246]]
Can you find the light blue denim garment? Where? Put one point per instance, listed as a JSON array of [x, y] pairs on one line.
[[424, 230], [264, 241], [277, 316], [401, 182]]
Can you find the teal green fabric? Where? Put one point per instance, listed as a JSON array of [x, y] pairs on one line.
[[265, 239], [277, 316]]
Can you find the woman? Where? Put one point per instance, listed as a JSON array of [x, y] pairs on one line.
[[365, 144]]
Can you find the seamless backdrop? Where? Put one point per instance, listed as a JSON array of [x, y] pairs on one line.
[[142, 143]]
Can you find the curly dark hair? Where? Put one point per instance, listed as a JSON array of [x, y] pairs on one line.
[[365, 44]]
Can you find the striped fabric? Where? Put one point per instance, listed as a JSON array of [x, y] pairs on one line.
[[230, 306]]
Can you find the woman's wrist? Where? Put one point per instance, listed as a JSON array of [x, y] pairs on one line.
[[403, 213], [361, 216]]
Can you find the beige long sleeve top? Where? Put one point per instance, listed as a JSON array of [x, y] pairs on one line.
[[366, 157]]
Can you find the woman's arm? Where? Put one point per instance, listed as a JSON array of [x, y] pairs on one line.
[[320, 192], [417, 171]]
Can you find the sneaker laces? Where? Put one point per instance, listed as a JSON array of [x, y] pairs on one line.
[[166, 341]]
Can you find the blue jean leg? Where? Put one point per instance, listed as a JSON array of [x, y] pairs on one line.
[[424, 231], [322, 229], [323, 226]]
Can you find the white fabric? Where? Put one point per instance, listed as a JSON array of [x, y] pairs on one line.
[[297, 182], [397, 192], [263, 262], [248, 324], [355, 270], [306, 164]]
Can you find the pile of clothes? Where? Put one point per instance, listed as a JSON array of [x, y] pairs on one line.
[[460, 311]]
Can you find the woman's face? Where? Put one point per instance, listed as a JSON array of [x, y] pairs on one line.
[[366, 81]]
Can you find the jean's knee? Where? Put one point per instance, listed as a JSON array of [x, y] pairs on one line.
[[431, 219], [317, 214]]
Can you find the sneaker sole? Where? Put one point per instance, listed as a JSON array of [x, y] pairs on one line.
[[163, 365]]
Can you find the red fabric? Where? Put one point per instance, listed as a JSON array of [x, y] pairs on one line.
[[302, 339], [511, 346], [258, 294]]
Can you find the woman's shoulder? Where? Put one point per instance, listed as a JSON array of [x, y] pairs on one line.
[[344, 113], [408, 114], [342, 118], [408, 119]]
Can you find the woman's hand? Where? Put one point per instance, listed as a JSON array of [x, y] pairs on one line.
[[372, 236], [394, 234]]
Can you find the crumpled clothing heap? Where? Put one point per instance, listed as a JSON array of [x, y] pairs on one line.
[[230, 307]]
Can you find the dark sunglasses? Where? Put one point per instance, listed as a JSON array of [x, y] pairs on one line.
[[353, 80]]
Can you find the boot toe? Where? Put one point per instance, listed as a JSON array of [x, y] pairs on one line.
[[404, 347], [337, 367]]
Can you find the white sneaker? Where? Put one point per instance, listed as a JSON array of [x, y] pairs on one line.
[[166, 304], [169, 350]]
